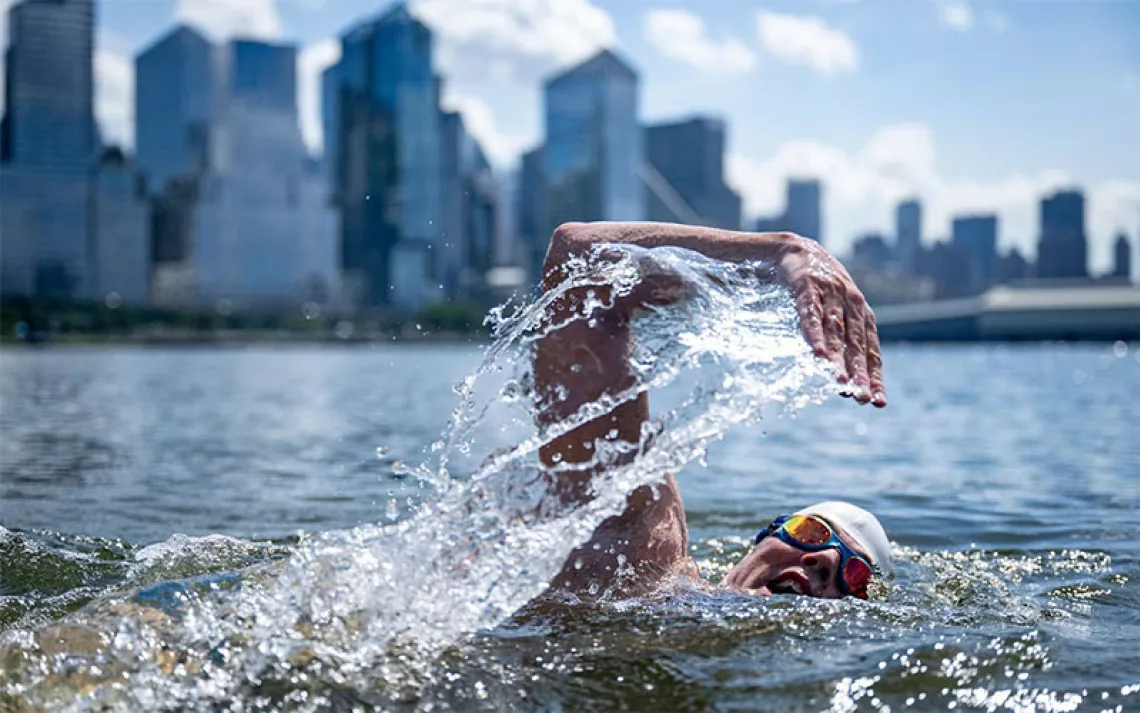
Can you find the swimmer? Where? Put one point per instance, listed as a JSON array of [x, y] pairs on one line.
[[831, 549]]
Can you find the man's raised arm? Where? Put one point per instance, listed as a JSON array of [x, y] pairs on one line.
[[581, 363]]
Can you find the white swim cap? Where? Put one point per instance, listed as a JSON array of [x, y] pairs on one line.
[[860, 525]]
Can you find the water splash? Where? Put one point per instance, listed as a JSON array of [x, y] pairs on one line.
[[380, 602]]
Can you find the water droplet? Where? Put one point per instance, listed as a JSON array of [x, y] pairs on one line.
[[1120, 349], [511, 391], [393, 510], [381, 451], [578, 563]]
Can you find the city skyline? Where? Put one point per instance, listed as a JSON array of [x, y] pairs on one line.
[[992, 138]]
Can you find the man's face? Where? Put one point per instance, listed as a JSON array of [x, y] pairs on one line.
[[775, 567]]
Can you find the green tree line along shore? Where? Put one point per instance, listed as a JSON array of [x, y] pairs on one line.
[[42, 320]]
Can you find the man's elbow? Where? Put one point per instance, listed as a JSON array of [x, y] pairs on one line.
[[566, 240]]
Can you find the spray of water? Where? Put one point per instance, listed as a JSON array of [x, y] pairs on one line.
[[379, 602]]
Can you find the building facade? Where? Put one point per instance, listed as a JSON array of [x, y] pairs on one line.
[[264, 232], [593, 155], [689, 156], [470, 213], [1122, 258], [1062, 251], [121, 225], [48, 143], [908, 236], [49, 85], [387, 160], [174, 103], [530, 211], [803, 213], [976, 238]]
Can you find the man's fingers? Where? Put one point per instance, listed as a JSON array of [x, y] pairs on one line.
[[856, 355], [875, 361], [807, 304], [834, 329]]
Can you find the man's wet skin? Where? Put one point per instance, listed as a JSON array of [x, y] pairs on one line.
[[585, 360], [775, 567]]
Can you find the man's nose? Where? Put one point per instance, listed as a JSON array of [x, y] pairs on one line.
[[822, 565]]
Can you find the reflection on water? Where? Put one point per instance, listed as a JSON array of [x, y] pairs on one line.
[[1010, 489]]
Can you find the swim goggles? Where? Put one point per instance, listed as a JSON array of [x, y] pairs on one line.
[[812, 534]]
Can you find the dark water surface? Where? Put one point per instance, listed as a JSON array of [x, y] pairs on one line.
[[1007, 476]]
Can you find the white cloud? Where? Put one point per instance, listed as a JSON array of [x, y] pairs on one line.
[[232, 18], [956, 14], [513, 39], [114, 92], [807, 41], [311, 62], [681, 35], [862, 188], [502, 148]]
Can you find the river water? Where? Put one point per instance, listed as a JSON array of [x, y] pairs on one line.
[[146, 493]]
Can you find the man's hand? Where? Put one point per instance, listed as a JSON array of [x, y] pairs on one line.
[[835, 318], [834, 315]]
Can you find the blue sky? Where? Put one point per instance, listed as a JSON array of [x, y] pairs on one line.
[[972, 105]]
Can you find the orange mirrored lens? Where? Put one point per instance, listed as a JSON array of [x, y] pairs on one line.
[[857, 575], [809, 530]]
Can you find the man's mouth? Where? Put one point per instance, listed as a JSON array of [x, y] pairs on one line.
[[791, 583]]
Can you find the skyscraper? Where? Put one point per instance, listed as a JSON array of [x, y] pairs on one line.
[[976, 237], [174, 97], [530, 209], [689, 155], [1062, 251], [802, 214], [388, 161], [47, 144], [1122, 257], [264, 231], [592, 158], [470, 212], [121, 244], [908, 235], [49, 85]]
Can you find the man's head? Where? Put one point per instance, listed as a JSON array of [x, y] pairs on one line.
[[811, 551]]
